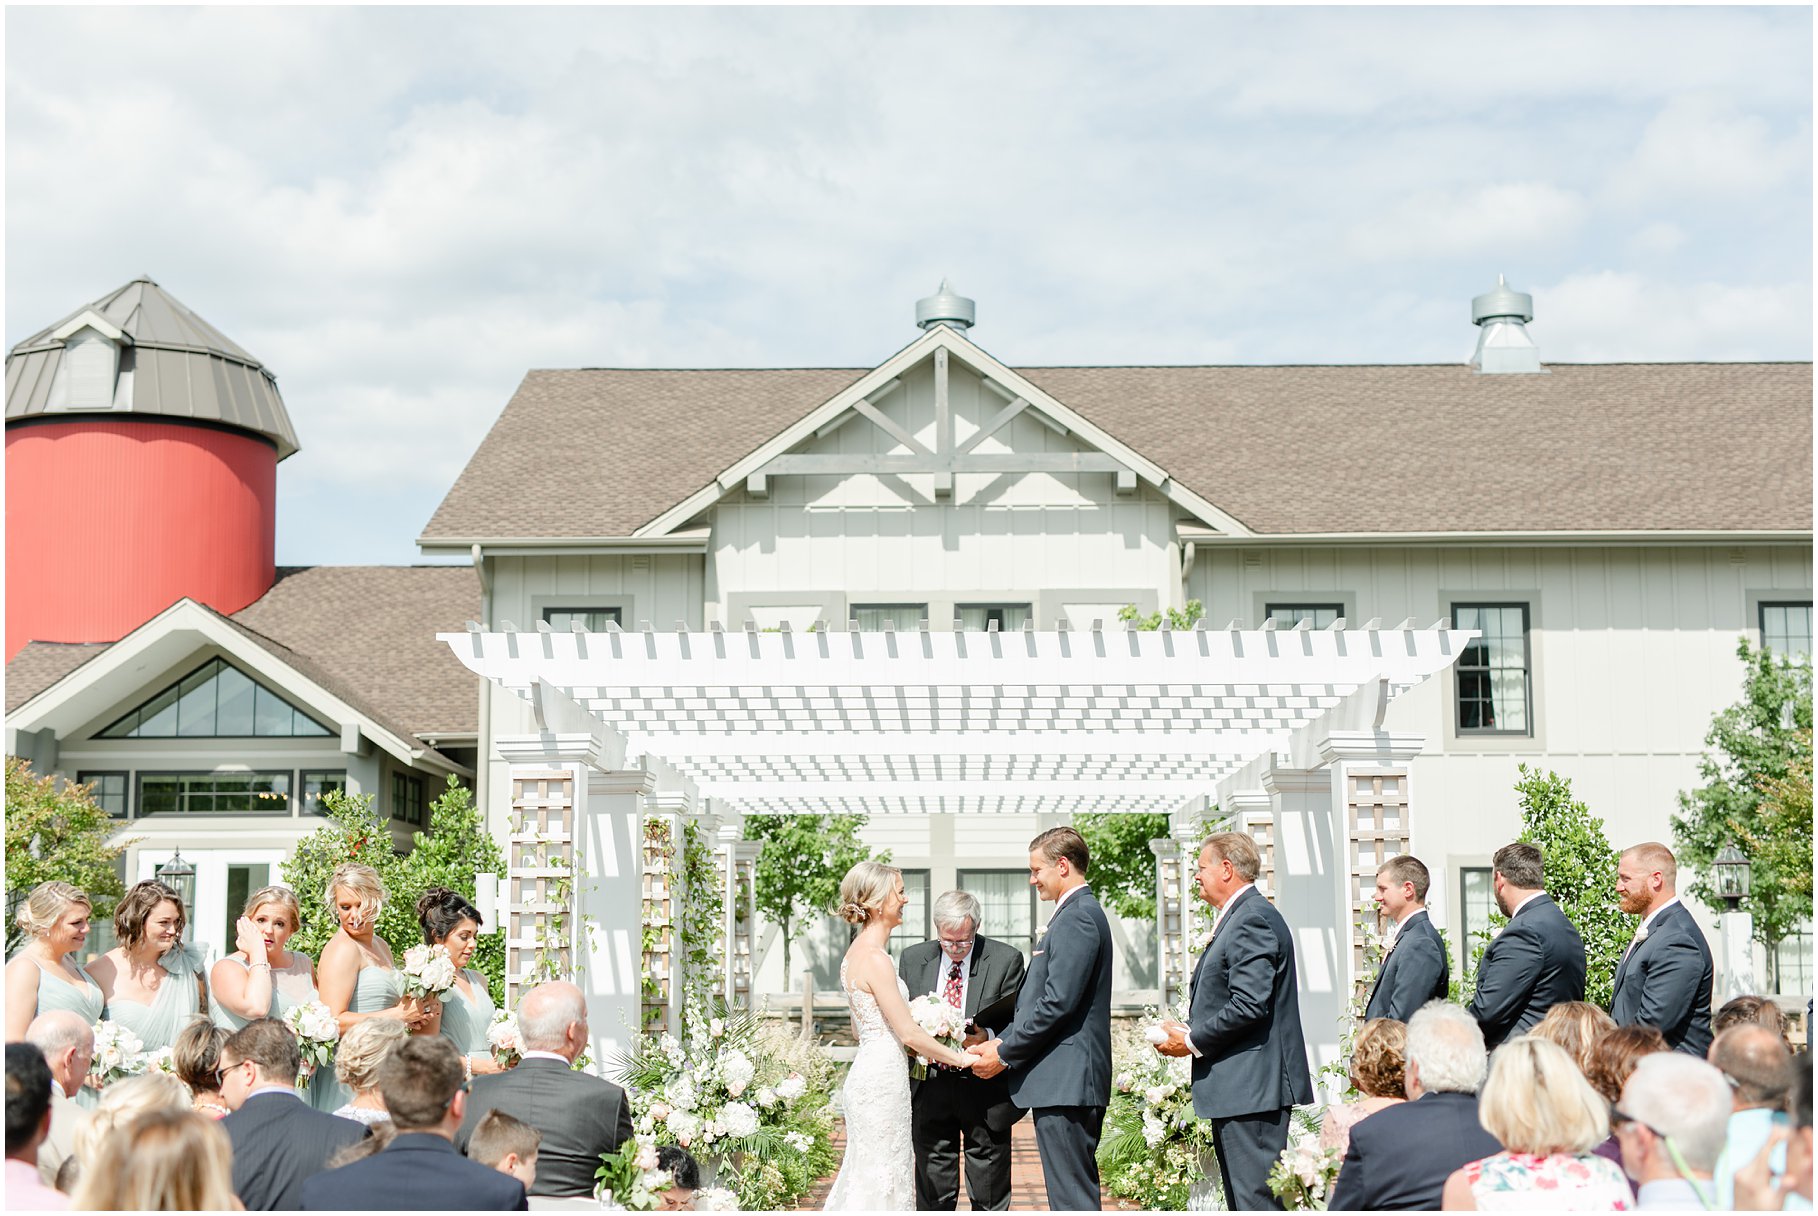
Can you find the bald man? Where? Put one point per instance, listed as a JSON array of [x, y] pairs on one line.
[[1664, 979], [68, 1044]]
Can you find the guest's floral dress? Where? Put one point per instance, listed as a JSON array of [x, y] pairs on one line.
[[1560, 1182]]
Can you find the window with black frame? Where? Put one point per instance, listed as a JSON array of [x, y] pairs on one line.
[[407, 799], [1007, 903], [221, 793], [1493, 671], [593, 620], [981, 617], [915, 926], [1786, 627], [1287, 615], [1476, 902], [109, 791], [902, 618]]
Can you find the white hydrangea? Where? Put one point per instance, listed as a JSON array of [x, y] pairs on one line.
[[766, 1097], [738, 1120], [715, 1199], [684, 1127], [791, 1087], [1154, 1130], [801, 1142], [737, 1071], [681, 1094]]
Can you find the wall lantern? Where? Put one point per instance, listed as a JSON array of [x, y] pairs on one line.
[[180, 877]]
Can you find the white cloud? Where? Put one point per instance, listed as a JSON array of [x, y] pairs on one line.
[[1702, 145], [1658, 239], [1501, 219], [1609, 316]]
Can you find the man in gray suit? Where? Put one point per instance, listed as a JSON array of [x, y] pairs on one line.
[[1243, 1030], [1664, 978], [1058, 1046], [1415, 970], [1536, 962], [972, 972]]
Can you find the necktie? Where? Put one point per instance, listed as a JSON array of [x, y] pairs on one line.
[[953, 993]]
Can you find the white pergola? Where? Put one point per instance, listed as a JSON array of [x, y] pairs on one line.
[[1247, 725]]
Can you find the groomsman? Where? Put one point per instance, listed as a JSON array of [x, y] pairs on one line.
[[1415, 969], [1536, 962], [970, 972], [1243, 1030], [1664, 979]]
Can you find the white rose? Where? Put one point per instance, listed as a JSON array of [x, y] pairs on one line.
[[737, 1071], [716, 1028], [766, 1097], [791, 1087]]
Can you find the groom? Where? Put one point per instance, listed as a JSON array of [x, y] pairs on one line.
[[1059, 1042]]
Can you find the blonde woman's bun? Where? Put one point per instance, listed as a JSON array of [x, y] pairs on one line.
[[864, 889], [854, 914]]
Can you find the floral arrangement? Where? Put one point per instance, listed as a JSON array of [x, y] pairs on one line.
[[629, 1179], [317, 1032], [1153, 1144], [502, 1037], [1303, 1178], [940, 1020], [428, 971], [751, 1105], [715, 1199], [118, 1053], [162, 1060]]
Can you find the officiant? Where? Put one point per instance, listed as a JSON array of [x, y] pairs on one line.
[[952, 1110]]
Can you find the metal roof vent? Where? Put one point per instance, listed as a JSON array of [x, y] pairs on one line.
[[945, 307], [1503, 344]]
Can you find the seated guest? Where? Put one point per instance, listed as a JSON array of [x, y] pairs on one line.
[[580, 1116], [278, 1140], [196, 1057], [1762, 1010], [1674, 1115], [1548, 1119], [121, 1103], [424, 1081], [1758, 1067], [1399, 1158], [1578, 1027], [68, 1044], [164, 1161], [507, 1144], [358, 1057], [1616, 1055], [28, 1120], [685, 1178], [1378, 1070], [1664, 977]]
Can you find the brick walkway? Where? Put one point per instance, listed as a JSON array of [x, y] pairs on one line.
[[1027, 1192]]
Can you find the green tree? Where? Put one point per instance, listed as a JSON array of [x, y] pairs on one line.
[[56, 833], [1757, 772], [1580, 873], [800, 864], [1123, 867], [455, 848]]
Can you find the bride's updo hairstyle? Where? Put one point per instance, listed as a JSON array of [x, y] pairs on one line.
[[864, 889]]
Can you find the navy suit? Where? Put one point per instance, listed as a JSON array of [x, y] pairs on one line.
[[1250, 1067], [1535, 963], [1665, 981], [954, 1107], [278, 1142], [1415, 971], [1401, 1156], [417, 1172], [1059, 1049]]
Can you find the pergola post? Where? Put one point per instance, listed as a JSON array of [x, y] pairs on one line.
[[1372, 803], [737, 860], [1171, 895], [612, 907], [1309, 887]]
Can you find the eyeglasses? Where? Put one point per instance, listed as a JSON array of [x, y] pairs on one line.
[[465, 1087], [964, 943], [221, 1072], [1621, 1118]]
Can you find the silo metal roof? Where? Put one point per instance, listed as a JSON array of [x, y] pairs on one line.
[[182, 367]]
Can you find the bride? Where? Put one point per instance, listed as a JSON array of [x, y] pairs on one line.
[[879, 1169]]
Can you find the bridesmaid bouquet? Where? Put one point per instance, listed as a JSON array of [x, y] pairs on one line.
[[118, 1053], [316, 1031], [629, 1180], [502, 1037], [941, 1021], [428, 971], [1302, 1179]]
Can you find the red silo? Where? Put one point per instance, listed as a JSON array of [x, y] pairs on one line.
[[141, 467]]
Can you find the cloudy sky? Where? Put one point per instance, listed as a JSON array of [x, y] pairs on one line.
[[402, 210]]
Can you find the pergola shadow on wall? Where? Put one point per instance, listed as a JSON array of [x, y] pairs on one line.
[[1278, 733]]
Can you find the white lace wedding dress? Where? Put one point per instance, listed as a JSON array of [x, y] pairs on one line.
[[878, 1174]]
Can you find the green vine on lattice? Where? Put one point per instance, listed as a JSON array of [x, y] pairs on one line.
[[700, 931], [659, 858]]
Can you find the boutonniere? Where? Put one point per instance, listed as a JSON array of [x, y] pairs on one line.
[[1641, 935]]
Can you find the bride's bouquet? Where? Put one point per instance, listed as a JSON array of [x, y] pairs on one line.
[[941, 1021], [428, 971], [317, 1032]]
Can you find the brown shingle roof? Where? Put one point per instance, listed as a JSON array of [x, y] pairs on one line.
[[366, 633], [1405, 449]]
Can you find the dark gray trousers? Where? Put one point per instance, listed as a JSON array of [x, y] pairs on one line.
[[951, 1108], [1248, 1146], [1067, 1137]]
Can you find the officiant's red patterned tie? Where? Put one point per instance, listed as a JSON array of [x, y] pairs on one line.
[[954, 995]]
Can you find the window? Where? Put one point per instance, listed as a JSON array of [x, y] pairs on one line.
[[1008, 903], [215, 701], [1492, 673], [1286, 616], [903, 618], [593, 620], [982, 616], [1786, 628], [407, 799], [1476, 900], [214, 793], [313, 783], [1793, 962], [110, 791], [916, 926], [242, 881]]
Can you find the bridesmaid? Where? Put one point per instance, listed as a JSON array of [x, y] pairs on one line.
[[152, 981], [448, 919], [356, 975], [46, 973], [263, 978]]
